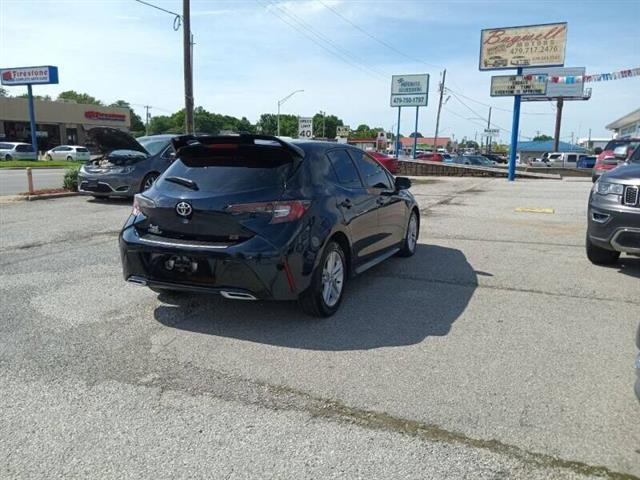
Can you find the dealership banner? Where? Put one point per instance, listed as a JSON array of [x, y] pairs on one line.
[[29, 75], [527, 46]]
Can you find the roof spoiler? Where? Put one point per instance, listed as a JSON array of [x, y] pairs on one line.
[[183, 141]]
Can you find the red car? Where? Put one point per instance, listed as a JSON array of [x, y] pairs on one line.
[[606, 160], [390, 163], [432, 157]]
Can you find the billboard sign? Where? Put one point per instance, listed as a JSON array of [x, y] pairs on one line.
[[305, 127], [29, 75], [492, 131], [557, 90], [528, 46], [410, 90], [510, 85], [343, 131]]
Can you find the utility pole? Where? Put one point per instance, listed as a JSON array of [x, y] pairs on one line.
[[488, 149], [556, 135], [323, 114], [147, 117], [589, 146], [435, 138], [188, 66]]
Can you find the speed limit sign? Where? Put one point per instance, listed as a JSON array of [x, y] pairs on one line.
[[305, 127]]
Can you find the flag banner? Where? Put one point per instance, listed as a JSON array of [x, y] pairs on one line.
[[597, 77]]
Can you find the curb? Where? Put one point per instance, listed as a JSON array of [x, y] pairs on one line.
[[43, 167], [48, 196]]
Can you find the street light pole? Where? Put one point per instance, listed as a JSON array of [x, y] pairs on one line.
[[281, 101]]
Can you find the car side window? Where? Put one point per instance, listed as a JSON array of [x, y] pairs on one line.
[[372, 172], [571, 158], [24, 148], [5, 146], [169, 152], [344, 168]]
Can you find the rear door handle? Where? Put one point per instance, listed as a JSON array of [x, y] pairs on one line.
[[346, 203]]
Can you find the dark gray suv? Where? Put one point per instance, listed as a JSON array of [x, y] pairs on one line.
[[614, 214]]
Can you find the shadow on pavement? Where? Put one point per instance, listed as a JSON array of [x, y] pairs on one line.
[[400, 302], [116, 201], [629, 266]]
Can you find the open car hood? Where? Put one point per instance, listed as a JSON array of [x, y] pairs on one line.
[[108, 139]]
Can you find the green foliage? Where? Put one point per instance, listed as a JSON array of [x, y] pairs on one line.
[[414, 134], [542, 138], [330, 122], [137, 124], [79, 97], [70, 179], [364, 131], [46, 98]]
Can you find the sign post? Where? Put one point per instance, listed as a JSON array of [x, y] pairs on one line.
[[517, 47], [30, 76], [415, 135], [409, 91]]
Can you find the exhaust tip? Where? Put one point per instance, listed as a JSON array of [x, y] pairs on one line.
[[137, 280], [237, 295]]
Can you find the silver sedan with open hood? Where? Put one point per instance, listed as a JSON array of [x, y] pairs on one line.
[[127, 165]]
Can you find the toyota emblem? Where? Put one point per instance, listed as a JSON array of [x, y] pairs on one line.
[[184, 209]]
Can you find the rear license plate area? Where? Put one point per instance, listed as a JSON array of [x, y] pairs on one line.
[[181, 268]]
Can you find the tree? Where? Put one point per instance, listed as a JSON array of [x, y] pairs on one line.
[[79, 97], [414, 134], [331, 122], [542, 138], [137, 125], [46, 98], [364, 131]]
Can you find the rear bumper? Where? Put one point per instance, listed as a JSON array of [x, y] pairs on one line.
[[248, 271]]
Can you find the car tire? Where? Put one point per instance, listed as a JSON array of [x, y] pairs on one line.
[[8, 157], [319, 300], [69, 158], [600, 256], [48, 158], [411, 236], [148, 181]]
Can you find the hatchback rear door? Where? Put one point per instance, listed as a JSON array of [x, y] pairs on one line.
[[224, 192]]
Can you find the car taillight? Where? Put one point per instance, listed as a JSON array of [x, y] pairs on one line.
[[284, 211], [141, 201]]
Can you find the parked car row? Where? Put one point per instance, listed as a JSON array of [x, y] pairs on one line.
[[24, 151]]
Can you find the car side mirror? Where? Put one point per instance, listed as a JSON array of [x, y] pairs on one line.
[[402, 183], [621, 152], [171, 156]]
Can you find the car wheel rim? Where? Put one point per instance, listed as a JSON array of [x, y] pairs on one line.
[[149, 182], [332, 279], [412, 232]]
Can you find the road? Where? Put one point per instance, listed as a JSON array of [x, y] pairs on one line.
[[13, 182], [497, 351]]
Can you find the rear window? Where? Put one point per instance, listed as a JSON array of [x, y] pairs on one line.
[[613, 144], [82, 150], [233, 169]]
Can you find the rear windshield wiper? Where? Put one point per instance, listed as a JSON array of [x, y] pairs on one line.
[[185, 182]]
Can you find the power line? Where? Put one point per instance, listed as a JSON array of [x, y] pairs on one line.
[[373, 37], [493, 106], [303, 32], [346, 53], [177, 21]]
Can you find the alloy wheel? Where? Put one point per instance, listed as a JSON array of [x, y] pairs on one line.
[[412, 232], [332, 279], [149, 181]]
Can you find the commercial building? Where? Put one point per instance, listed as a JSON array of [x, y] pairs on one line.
[[424, 143], [627, 126], [57, 123], [593, 143]]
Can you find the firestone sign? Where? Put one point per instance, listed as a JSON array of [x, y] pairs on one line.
[[112, 117], [530, 46], [29, 75]]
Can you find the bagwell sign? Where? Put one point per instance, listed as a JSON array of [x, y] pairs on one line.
[[29, 75], [530, 46]]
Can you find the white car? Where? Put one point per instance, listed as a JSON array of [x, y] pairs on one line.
[[16, 151], [68, 152]]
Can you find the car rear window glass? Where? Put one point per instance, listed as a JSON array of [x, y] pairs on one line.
[[233, 169], [613, 144], [344, 168], [152, 145], [82, 150]]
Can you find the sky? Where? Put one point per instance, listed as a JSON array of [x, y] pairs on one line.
[[250, 53]]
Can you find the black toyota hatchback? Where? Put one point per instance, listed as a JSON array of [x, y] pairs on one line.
[[255, 217]]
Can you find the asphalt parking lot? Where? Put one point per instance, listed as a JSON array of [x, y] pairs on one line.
[[497, 351]]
